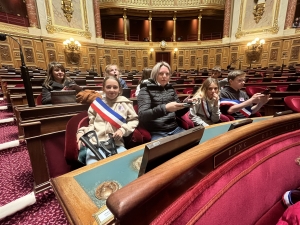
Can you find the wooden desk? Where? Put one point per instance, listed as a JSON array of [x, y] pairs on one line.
[[76, 190]]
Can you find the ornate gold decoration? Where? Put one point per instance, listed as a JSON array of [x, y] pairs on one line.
[[67, 7], [105, 189], [13, 28], [258, 11], [163, 44], [136, 164], [52, 28], [273, 29], [253, 53], [5, 53], [72, 51], [175, 52]]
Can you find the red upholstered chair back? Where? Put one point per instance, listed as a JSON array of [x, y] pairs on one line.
[[187, 91], [251, 90], [281, 88], [71, 148], [39, 99], [235, 178], [293, 103]]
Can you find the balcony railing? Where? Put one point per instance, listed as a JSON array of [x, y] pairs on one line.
[[118, 36], [12, 19]]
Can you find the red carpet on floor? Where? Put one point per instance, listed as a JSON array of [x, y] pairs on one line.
[[16, 180]]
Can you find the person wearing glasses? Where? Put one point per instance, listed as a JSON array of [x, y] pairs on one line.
[[159, 105], [236, 102]]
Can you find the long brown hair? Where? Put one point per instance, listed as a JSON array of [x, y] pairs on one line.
[[51, 67]]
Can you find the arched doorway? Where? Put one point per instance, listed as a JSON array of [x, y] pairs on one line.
[[163, 56]]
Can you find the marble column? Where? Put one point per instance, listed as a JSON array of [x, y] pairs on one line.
[[290, 14], [174, 27], [97, 19], [150, 25], [199, 25], [227, 15], [31, 12], [125, 25]]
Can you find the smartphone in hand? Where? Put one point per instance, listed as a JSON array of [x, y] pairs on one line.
[[266, 91], [188, 104]]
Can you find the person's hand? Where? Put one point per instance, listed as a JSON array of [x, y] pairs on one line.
[[65, 88], [188, 99], [216, 98], [79, 142], [264, 99], [118, 135], [174, 106], [255, 99]]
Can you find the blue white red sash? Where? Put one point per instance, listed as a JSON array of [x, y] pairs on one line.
[[108, 113], [245, 111]]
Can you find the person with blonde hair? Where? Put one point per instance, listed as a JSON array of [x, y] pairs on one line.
[[206, 108], [113, 70], [56, 80], [159, 104]]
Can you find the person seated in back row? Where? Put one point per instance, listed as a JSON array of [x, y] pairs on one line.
[[145, 76], [159, 104], [113, 70], [206, 108], [236, 102], [216, 73], [56, 80]]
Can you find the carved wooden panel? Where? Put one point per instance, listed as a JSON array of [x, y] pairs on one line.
[[234, 49], [29, 55], [218, 50], [51, 55], [180, 61], [50, 45], [92, 49], [205, 60], [193, 61], [107, 51], [92, 59], [275, 44], [193, 52], [5, 53], [107, 59], [296, 42], [218, 59], [133, 62], [121, 61], [274, 54], [181, 52], [132, 53], [294, 53], [27, 42], [145, 62], [120, 51], [205, 51]]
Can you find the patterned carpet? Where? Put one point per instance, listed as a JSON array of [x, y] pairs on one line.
[[16, 180]]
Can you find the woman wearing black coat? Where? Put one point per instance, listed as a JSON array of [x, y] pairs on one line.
[[159, 104]]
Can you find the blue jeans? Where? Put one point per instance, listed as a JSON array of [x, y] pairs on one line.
[[160, 134], [86, 156]]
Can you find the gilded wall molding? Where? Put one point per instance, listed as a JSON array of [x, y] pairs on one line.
[[53, 28], [166, 5], [13, 28], [273, 29]]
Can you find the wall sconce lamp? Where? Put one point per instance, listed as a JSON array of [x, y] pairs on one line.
[[175, 51], [72, 51], [256, 44], [151, 50], [254, 51], [72, 45]]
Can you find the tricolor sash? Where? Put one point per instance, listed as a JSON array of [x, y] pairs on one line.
[[108, 113], [245, 111]]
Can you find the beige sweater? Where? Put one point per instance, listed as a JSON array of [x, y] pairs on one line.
[[122, 106]]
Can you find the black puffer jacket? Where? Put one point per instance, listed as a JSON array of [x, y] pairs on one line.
[[152, 101]]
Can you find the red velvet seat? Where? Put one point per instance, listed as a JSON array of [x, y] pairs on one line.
[[204, 188], [251, 90], [38, 100], [187, 91], [293, 103], [281, 87]]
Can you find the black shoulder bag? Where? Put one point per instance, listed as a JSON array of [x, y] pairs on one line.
[[108, 147]]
